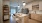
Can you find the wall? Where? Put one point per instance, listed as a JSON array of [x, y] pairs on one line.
[[40, 5], [29, 6], [35, 2], [6, 3], [1, 20]]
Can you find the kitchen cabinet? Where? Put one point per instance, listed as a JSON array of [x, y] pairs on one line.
[[35, 7], [36, 17], [22, 18]]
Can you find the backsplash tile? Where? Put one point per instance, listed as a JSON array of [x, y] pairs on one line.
[[35, 12]]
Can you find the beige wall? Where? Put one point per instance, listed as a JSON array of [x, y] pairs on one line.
[[1, 20], [35, 3], [40, 5], [29, 6], [6, 3]]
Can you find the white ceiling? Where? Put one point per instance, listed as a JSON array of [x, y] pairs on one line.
[[15, 3], [21, 0], [6, 0]]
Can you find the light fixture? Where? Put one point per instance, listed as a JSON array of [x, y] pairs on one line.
[[18, 6], [24, 3]]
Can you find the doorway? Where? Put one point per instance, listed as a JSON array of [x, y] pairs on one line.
[[13, 11]]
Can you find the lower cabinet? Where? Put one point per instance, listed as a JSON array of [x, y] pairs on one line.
[[22, 19]]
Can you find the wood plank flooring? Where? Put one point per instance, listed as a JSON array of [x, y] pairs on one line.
[[11, 20]]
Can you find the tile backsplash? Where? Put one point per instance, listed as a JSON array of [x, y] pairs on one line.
[[36, 12], [31, 11]]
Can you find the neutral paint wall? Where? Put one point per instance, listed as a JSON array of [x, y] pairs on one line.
[[29, 6], [6, 3], [40, 5], [34, 3], [1, 20]]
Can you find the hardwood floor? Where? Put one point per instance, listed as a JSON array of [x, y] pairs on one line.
[[11, 20], [7, 21], [34, 21]]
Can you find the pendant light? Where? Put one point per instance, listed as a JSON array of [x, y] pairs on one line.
[[18, 4], [24, 3]]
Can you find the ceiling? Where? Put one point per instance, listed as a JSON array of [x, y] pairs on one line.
[[15, 3], [6, 0], [21, 0]]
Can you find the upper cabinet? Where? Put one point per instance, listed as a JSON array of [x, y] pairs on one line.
[[40, 5], [35, 6]]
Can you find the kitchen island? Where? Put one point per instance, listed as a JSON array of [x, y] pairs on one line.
[[22, 18]]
